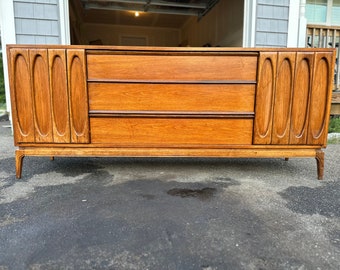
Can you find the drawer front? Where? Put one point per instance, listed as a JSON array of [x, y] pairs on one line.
[[171, 97], [170, 132], [172, 67]]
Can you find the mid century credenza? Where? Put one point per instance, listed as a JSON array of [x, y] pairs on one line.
[[170, 102]]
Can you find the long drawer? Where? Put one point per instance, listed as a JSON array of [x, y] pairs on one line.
[[170, 132], [196, 68], [171, 97]]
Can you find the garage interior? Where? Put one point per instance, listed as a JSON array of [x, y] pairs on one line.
[[170, 23]]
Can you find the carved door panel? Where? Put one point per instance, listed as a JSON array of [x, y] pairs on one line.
[[41, 95], [78, 98], [21, 95], [301, 98], [49, 95], [59, 95], [283, 97], [263, 124], [293, 97], [320, 98]]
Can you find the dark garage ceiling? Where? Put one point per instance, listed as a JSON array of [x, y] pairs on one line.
[[153, 13]]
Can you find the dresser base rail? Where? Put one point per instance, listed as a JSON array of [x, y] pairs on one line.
[[318, 154]]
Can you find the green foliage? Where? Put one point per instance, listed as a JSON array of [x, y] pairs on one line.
[[335, 140], [334, 125], [2, 84]]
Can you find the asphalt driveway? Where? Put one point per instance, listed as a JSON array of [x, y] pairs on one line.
[[123, 213]]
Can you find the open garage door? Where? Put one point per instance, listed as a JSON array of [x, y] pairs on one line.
[[157, 22]]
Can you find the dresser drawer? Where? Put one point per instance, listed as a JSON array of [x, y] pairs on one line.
[[171, 97], [172, 67], [170, 132]]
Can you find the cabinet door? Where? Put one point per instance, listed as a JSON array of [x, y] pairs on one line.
[[21, 95], [39, 72], [264, 99], [320, 100], [293, 97], [283, 97], [301, 98], [59, 95], [78, 98], [43, 83]]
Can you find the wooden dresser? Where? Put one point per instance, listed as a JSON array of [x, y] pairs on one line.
[[170, 102]]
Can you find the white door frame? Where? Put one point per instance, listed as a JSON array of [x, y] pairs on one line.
[[64, 22], [7, 26], [249, 23], [297, 24]]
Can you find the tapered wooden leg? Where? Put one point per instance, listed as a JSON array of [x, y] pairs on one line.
[[320, 162], [286, 159], [19, 156], [52, 158]]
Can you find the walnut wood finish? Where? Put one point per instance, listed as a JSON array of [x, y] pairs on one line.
[[60, 96], [78, 98], [171, 131], [293, 98], [168, 102], [183, 67], [171, 97], [49, 95]]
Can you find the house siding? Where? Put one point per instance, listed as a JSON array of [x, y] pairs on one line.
[[272, 17], [37, 21]]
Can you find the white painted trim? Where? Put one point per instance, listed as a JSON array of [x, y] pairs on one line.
[[7, 37], [64, 22], [249, 23], [329, 12], [302, 25], [293, 23]]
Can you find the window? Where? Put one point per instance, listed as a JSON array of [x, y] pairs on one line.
[[336, 12], [316, 11], [323, 12]]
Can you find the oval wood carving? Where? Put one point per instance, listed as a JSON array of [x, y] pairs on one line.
[[282, 103], [319, 98], [264, 100], [60, 98], [23, 97], [41, 97], [300, 101], [78, 96]]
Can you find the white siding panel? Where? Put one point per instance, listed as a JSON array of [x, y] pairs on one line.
[[274, 2], [25, 39], [272, 11], [272, 23], [41, 1], [37, 21], [280, 26], [23, 10], [51, 12], [265, 39], [52, 40]]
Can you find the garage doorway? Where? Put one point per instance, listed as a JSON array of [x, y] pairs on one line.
[[168, 23]]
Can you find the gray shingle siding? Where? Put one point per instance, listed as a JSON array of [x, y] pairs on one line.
[[272, 23], [37, 21]]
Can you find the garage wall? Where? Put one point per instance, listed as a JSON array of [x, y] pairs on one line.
[[120, 34], [222, 26]]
